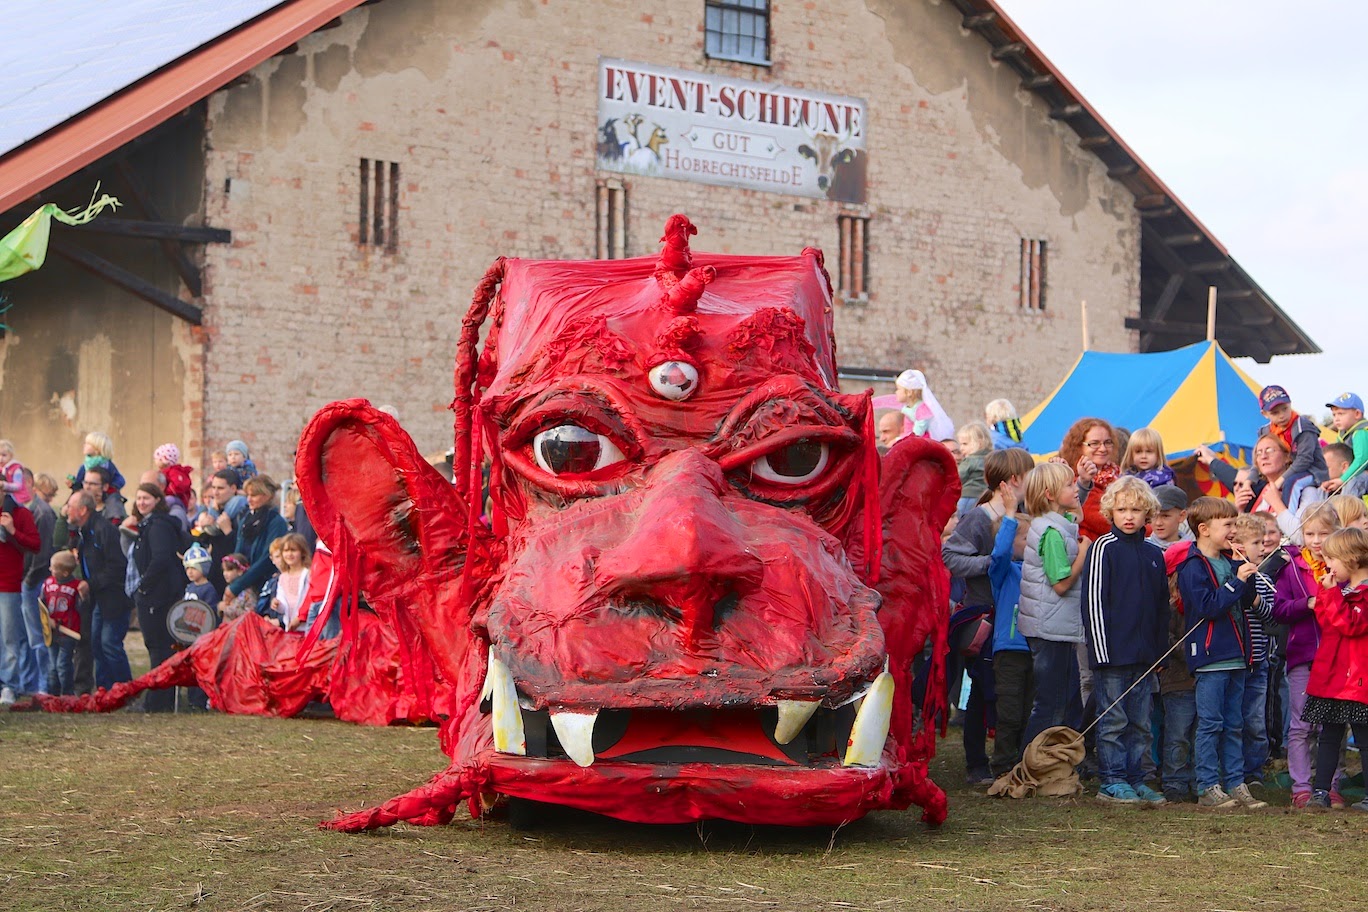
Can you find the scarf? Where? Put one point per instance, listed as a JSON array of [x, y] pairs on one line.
[[1317, 565], [255, 523], [1283, 432], [1010, 428]]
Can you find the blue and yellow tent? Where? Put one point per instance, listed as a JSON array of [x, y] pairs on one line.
[[1192, 396]]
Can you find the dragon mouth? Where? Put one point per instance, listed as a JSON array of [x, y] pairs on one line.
[[778, 732]]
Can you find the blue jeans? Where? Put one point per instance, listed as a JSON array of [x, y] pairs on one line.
[[33, 623], [1123, 732], [1255, 722], [107, 635], [1180, 720], [16, 660], [1057, 698], [1219, 745], [62, 661]]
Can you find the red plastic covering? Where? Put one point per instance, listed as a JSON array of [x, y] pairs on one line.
[[680, 563]]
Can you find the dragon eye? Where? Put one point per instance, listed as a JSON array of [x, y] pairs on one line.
[[569, 449], [799, 462]]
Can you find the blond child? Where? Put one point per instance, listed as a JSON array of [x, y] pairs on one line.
[[12, 474], [975, 445], [1049, 612], [1125, 620], [98, 450], [1144, 458], [1004, 424], [1249, 545], [1352, 512]]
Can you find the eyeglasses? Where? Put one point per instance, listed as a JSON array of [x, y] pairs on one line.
[[1098, 444]]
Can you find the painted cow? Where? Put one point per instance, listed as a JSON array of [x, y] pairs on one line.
[[686, 592]]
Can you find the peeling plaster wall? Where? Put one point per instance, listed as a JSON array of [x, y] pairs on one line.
[[489, 108]]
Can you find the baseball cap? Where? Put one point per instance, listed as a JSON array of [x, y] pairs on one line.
[[1346, 401], [1171, 497], [1270, 396]]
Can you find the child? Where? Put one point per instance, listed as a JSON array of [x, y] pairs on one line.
[[1125, 621], [1012, 678], [1346, 414], [218, 461], [1177, 689], [968, 554], [1249, 546], [1352, 511], [923, 415], [1216, 593], [235, 606], [197, 562], [1166, 525], [1338, 457], [99, 451], [240, 460], [62, 596], [1144, 457], [1336, 694], [1049, 613], [12, 474], [1004, 424], [1298, 436], [293, 582], [975, 445], [1294, 605]]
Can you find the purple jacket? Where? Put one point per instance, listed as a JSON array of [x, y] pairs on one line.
[[1295, 586]]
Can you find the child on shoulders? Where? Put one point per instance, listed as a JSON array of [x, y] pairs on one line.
[[1216, 592], [1125, 620], [975, 445], [1144, 458], [98, 452], [240, 461], [1346, 414], [1337, 697], [1297, 435]]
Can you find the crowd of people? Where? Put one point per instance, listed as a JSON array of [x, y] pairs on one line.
[[78, 563], [1192, 639]]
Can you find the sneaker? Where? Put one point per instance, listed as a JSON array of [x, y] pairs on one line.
[[1360, 806], [1320, 798], [1117, 793], [979, 777], [1241, 794], [1301, 799], [1216, 798], [1149, 795], [1174, 796], [6, 696], [1337, 800]]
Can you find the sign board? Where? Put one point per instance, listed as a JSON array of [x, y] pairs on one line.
[[190, 619], [664, 122]]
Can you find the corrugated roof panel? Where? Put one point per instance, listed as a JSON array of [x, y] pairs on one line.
[[64, 56]]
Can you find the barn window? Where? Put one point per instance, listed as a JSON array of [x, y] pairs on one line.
[[378, 220], [612, 220], [1032, 289], [737, 30], [854, 256]]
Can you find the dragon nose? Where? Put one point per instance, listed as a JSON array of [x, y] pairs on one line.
[[685, 548]]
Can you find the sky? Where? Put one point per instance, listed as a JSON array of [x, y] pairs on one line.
[[1255, 115]]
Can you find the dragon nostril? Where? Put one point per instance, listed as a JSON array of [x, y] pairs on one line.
[[724, 607]]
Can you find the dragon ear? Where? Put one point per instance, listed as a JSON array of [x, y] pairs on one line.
[[382, 508]]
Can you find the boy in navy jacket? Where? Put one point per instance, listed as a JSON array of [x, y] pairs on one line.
[[1125, 620], [1217, 591]]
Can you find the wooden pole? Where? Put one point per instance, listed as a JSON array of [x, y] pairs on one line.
[[1086, 340], [1211, 313]]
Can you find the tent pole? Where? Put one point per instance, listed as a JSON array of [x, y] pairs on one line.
[[1084, 308], [1211, 313]]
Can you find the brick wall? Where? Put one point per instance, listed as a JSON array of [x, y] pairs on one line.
[[489, 108]]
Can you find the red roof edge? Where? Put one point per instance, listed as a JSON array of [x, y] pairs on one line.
[[104, 127]]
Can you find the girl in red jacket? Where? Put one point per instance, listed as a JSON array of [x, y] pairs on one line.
[[1337, 692]]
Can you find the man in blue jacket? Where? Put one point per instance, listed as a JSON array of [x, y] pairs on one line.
[[1125, 621], [1217, 591]]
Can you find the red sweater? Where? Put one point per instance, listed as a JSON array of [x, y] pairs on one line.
[[25, 538], [1340, 670]]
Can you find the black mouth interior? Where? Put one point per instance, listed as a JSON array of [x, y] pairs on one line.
[[821, 741]]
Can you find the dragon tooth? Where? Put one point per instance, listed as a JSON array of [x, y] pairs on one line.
[[575, 731], [793, 715], [870, 730], [507, 716]]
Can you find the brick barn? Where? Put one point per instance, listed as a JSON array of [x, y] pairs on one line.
[[313, 187]]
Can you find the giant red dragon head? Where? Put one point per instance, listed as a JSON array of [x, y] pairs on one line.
[[684, 591]]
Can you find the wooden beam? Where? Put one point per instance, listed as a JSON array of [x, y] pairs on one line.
[[1211, 266], [122, 278], [1066, 112], [186, 234], [1014, 49], [1159, 212], [1038, 82], [1096, 142], [1183, 240], [1151, 201], [187, 270], [978, 21], [1162, 306], [1184, 328], [1121, 171]]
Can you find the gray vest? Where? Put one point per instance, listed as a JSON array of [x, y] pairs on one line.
[[1044, 613]]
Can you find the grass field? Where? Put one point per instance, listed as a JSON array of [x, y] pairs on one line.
[[128, 811]]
